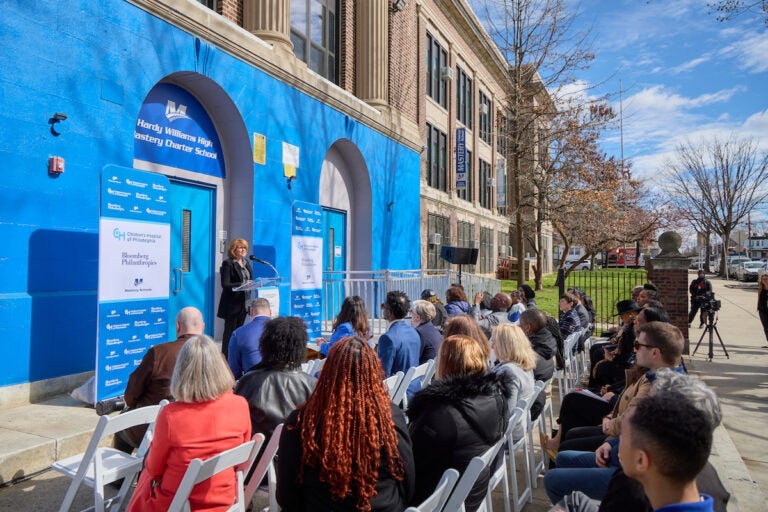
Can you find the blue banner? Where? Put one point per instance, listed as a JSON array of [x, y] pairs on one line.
[[134, 260], [461, 159], [173, 129], [307, 265]]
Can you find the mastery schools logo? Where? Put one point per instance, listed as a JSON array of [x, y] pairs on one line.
[[173, 113]]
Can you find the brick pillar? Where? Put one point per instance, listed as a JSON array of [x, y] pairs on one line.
[[669, 272]]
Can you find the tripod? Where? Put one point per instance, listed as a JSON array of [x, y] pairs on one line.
[[711, 328]]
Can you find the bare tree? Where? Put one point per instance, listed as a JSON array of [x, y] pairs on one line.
[[720, 180], [538, 40], [728, 9]]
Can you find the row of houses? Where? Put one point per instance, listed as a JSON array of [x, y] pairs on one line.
[[380, 117]]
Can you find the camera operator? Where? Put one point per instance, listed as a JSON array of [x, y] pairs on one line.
[[700, 289]]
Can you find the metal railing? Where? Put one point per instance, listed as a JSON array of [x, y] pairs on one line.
[[373, 286], [606, 288]]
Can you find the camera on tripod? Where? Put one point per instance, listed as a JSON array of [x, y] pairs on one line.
[[707, 302]]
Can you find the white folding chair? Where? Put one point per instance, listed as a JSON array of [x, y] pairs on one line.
[[513, 446], [540, 465], [413, 373], [565, 377], [436, 500], [265, 466], [318, 367], [500, 476], [201, 470], [455, 502], [393, 383], [427, 380], [102, 465]]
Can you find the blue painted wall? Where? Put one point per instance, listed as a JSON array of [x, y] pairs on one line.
[[95, 62]]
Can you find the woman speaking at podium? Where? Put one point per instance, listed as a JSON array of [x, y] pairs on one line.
[[235, 271]]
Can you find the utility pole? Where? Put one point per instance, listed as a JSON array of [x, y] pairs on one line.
[[749, 236]]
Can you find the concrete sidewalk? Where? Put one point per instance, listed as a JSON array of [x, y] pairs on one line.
[[34, 436]]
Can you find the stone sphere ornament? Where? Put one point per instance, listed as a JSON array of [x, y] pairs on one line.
[[670, 243]]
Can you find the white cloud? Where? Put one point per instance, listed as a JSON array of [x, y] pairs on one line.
[[691, 64], [750, 51]]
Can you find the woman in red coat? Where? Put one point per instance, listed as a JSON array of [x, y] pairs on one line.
[[206, 419]]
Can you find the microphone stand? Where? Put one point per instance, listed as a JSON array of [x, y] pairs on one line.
[[277, 277]]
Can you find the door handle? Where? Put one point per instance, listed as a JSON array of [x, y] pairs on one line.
[[179, 281]]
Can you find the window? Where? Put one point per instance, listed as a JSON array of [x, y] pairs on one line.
[[484, 118], [466, 194], [463, 98], [211, 4], [502, 241], [466, 238], [486, 250], [483, 176], [437, 175], [438, 224], [314, 34], [437, 59], [502, 128]]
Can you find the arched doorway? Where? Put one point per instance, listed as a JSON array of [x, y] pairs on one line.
[[345, 196], [205, 151]]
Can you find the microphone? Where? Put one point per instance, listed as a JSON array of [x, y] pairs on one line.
[[252, 257]]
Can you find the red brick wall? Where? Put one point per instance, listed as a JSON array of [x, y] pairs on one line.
[[346, 58], [232, 10], [673, 293], [405, 53]]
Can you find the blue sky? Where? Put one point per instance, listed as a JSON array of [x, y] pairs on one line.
[[684, 75]]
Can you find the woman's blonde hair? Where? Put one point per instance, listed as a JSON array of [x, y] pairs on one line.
[[234, 243], [760, 283], [460, 355], [200, 373], [511, 345]]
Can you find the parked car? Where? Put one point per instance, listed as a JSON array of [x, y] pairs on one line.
[[762, 270], [747, 271], [696, 263], [733, 264], [584, 265]]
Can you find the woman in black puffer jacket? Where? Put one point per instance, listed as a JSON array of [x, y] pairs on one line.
[[457, 417]]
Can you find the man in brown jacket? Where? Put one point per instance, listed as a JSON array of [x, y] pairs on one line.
[[151, 381]]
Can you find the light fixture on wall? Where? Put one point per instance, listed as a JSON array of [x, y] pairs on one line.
[[390, 205], [398, 5], [53, 120], [290, 180]]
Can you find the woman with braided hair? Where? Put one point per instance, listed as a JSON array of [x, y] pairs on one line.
[[347, 448]]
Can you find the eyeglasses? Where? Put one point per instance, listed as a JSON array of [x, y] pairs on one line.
[[638, 345], [241, 248]]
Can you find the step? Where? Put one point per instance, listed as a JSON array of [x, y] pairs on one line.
[[33, 436]]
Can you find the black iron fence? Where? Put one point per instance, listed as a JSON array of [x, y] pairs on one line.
[[606, 288]]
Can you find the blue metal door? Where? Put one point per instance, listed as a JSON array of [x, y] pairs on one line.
[[334, 260], [192, 251]]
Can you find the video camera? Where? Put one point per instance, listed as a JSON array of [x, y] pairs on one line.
[[707, 302]]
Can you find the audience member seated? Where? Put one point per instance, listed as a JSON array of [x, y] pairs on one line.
[[441, 315], [666, 442], [150, 382], [534, 324], [626, 494], [400, 346], [517, 359], [347, 448], [205, 420], [243, 351], [277, 385], [659, 345], [352, 320], [569, 319], [528, 296], [649, 292], [422, 313], [465, 325], [610, 361], [458, 416], [516, 308], [499, 304], [456, 302]]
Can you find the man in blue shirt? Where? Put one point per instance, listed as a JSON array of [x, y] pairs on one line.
[[666, 440], [400, 346], [244, 343]]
